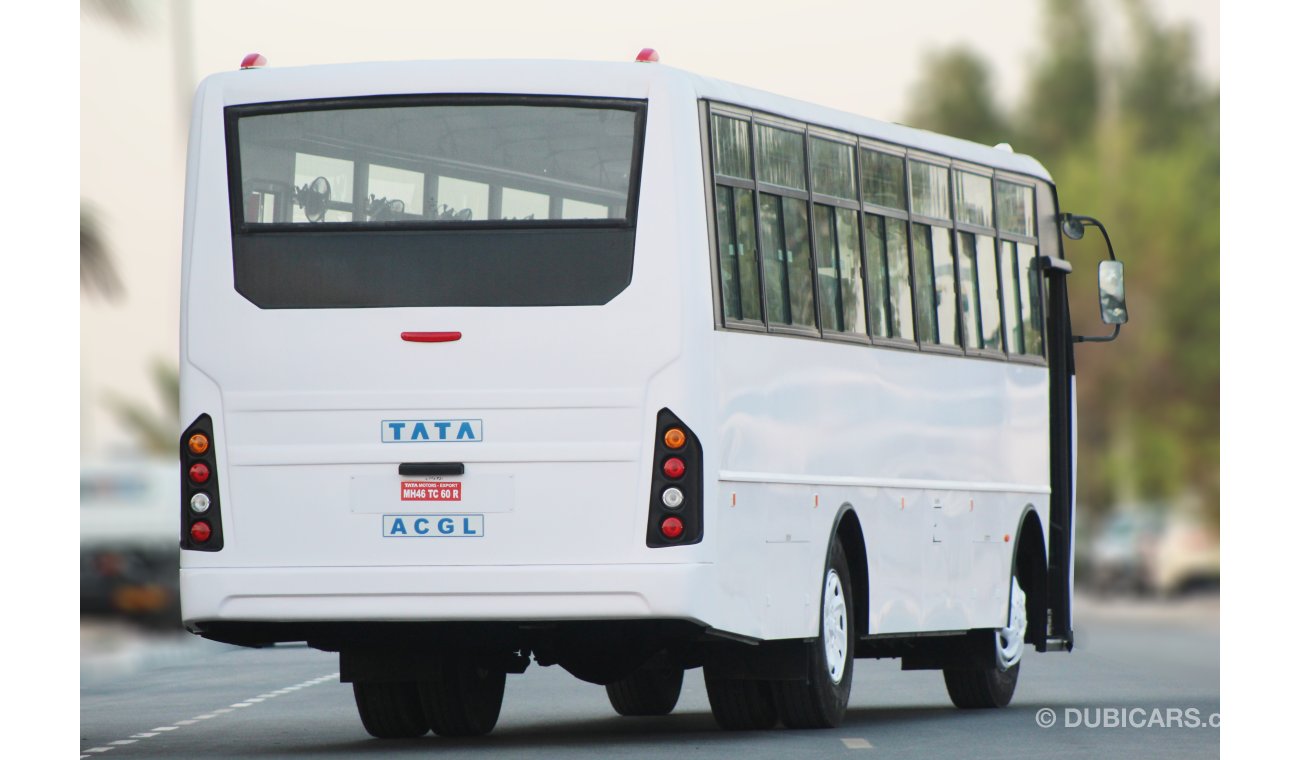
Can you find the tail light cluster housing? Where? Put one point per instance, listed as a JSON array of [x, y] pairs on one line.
[[680, 468], [199, 476]]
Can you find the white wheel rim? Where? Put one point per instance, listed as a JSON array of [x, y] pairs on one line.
[[835, 626], [1011, 640]]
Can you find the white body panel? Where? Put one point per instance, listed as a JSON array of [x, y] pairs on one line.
[[939, 457]]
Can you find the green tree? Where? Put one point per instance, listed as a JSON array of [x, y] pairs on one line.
[[955, 96], [1137, 145]]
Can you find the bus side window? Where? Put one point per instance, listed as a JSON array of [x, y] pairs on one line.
[[787, 252], [737, 243]]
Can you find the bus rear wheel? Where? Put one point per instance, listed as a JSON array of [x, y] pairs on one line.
[[390, 710], [820, 700], [648, 691], [987, 686], [462, 698], [740, 704]]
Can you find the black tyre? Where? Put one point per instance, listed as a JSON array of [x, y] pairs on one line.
[[740, 704], [985, 685], [648, 691], [980, 688], [821, 699], [462, 698], [390, 710]]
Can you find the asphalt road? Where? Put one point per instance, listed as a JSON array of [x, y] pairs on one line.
[[1153, 666]]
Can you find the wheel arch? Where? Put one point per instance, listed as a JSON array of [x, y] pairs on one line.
[[1029, 563], [848, 531]]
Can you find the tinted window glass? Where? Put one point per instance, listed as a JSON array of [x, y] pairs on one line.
[[828, 289], [731, 147], [780, 157], [929, 190], [533, 152], [850, 266], [1030, 307], [776, 277], [882, 179], [986, 269], [740, 281], [799, 259], [832, 169], [1015, 208], [974, 199], [1011, 298]]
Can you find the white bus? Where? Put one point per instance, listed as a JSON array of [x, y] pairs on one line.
[[615, 367]]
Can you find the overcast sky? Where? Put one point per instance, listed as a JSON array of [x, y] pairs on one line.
[[135, 84]]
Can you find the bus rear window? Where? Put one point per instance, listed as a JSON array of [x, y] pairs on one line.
[[499, 187], [444, 163]]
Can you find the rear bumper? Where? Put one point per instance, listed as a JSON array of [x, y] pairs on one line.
[[434, 594]]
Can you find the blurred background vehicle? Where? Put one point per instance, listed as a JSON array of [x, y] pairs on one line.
[[1146, 549], [129, 549]]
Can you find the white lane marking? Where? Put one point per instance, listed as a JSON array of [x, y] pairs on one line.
[[207, 716], [856, 743]]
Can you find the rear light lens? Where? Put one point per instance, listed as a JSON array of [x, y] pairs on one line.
[[199, 472], [673, 497], [201, 531], [674, 438], [674, 468], [200, 493], [671, 527]]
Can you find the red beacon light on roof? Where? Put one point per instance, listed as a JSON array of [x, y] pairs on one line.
[[253, 61], [647, 55]]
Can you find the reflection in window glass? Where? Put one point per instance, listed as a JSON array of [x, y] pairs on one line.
[[839, 270], [986, 269], [461, 200], [740, 282], [1015, 208], [968, 288], [1011, 299], [850, 265], [889, 295], [395, 192], [929, 190], [936, 285], [776, 278], [795, 216], [1030, 307], [974, 199], [571, 209], [337, 173], [780, 157], [882, 180], [521, 204], [550, 150], [828, 290], [832, 169], [731, 147], [787, 261]]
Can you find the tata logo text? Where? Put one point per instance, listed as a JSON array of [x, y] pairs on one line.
[[431, 431]]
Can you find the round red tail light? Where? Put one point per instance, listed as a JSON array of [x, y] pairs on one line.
[[199, 472], [200, 531], [671, 527], [674, 468]]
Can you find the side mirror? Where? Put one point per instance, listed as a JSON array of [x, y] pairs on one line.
[[1110, 278], [1110, 288]]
